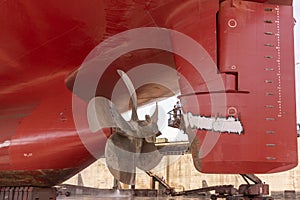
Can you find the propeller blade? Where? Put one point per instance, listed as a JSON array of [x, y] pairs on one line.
[[121, 156], [102, 113], [132, 93], [154, 117], [124, 177], [133, 144], [149, 157], [148, 128]]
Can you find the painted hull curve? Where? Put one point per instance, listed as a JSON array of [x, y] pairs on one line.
[[43, 46]]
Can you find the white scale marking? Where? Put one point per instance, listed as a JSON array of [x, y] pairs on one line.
[[278, 63]]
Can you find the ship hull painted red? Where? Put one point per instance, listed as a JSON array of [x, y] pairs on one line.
[[44, 43]]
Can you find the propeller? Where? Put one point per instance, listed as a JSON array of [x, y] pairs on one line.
[[132, 145]]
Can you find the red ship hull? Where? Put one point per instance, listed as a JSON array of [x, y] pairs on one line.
[[43, 44]]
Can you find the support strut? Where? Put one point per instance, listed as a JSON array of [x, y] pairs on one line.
[[255, 191]]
